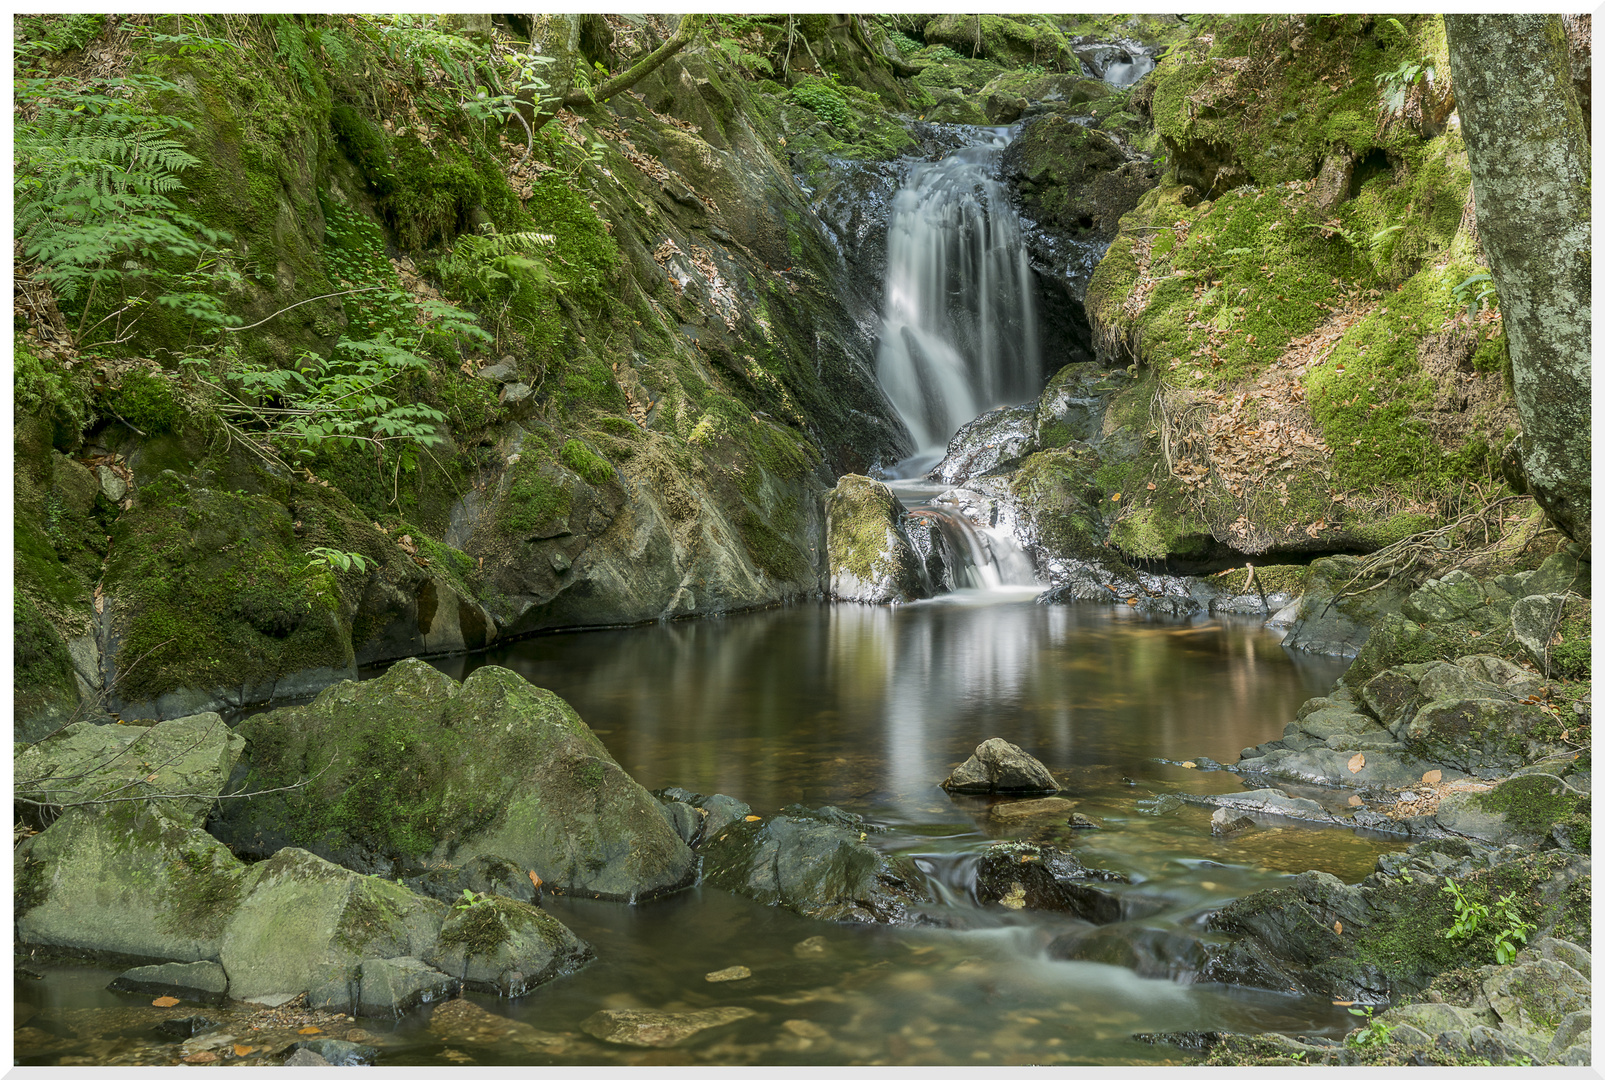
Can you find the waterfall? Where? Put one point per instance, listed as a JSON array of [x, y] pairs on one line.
[[958, 324]]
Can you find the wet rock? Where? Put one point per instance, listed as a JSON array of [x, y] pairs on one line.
[[516, 775], [1271, 801], [1082, 821], [192, 755], [388, 988], [639, 1027], [1073, 178], [1161, 805], [1071, 407], [870, 557], [501, 946], [1198, 1042], [998, 766], [1042, 877], [714, 812], [992, 441], [203, 981], [1341, 627], [816, 863]]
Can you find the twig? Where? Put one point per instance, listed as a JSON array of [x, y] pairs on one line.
[[308, 300]]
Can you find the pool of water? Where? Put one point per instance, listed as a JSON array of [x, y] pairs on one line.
[[868, 709]]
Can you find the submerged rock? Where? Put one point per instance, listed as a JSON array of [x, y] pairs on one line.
[[1000, 766], [640, 1027], [412, 768], [204, 981], [388, 988], [816, 863]]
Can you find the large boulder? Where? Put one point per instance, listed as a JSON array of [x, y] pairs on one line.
[[190, 756], [816, 863], [132, 880], [412, 770], [999, 766], [305, 925], [992, 441], [870, 557]]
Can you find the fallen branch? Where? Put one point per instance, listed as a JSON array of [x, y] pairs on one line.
[[681, 37]]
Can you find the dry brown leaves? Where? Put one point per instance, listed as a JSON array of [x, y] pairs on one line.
[[1427, 796], [663, 118]]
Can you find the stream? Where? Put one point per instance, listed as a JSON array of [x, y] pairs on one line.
[[869, 708]]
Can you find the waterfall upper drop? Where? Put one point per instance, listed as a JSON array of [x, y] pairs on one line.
[[958, 325]]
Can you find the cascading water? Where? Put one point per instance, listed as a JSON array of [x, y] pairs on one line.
[[958, 335], [958, 326]]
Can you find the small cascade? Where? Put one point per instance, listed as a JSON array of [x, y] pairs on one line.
[[958, 327], [959, 552]]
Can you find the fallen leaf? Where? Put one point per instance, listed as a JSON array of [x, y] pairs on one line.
[[1356, 763], [1338, 926], [1355, 800], [310, 1029], [1189, 764], [535, 879], [165, 1002], [1433, 776], [1115, 497], [1151, 486], [201, 1058], [754, 817], [241, 1051], [1343, 1003]]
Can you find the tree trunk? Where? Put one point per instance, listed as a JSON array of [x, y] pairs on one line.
[[1529, 155], [626, 79]]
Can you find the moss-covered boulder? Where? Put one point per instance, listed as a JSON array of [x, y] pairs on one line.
[[1073, 178], [816, 863], [870, 557], [1021, 39], [413, 769], [1019, 874], [129, 880], [185, 761], [503, 946], [304, 925]]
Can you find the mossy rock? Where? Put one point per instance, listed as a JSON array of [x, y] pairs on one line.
[[126, 880], [1074, 178], [1012, 40], [870, 557], [412, 768], [502, 946]]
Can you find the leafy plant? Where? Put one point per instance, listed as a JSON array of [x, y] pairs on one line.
[[1375, 1033], [334, 559], [470, 900], [825, 100], [1515, 929], [1477, 293], [1469, 914], [1395, 84]]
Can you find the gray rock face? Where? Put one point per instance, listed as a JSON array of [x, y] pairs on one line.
[[129, 879], [387, 988], [304, 923], [1000, 766], [1534, 619], [641, 1027], [191, 755], [816, 863], [993, 440], [203, 981], [505, 947], [870, 558], [527, 780]]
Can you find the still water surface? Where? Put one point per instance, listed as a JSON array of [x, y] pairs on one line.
[[868, 708]]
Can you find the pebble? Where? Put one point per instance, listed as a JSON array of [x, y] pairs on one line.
[[729, 974]]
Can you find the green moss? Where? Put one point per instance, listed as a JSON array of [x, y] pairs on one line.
[[585, 255], [1057, 489], [148, 401], [31, 887], [771, 551], [479, 929], [534, 499], [1571, 656], [203, 891], [593, 467], [42, 388], [1533, 803]]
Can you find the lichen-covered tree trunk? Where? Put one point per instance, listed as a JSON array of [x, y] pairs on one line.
[[1529, 155]]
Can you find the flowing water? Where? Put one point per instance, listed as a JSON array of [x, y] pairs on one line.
[[868, 708], [958, 326]]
